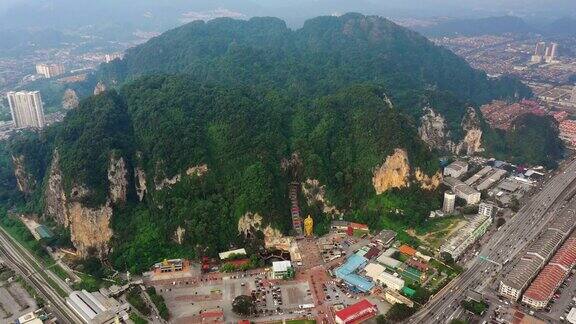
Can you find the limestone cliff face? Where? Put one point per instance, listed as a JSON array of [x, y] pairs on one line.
[[140, 177], [316, 194], [195, 170], [24, 180], [54, 195], [393, 173], [249, 222], [428, 182], [89, 227], [70, 99], [433, 131], [472, 142], [100, 87], [118, 179]]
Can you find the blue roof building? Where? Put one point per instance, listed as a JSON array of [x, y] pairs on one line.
[[347, 272]]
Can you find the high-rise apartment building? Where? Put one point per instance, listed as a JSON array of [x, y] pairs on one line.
[[551, 52], [50, 70], [573, 98], [449, 202], [26, 109]]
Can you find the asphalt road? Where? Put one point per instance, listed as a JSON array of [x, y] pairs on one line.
[[504, 245], [24, 266]]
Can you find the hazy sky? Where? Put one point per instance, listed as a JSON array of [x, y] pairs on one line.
[[70, 13]]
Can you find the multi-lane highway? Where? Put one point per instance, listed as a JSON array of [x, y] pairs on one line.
[[21, 262], [505, 244]]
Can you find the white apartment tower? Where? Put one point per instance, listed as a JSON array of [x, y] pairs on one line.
[[551, 52], [449, 202], [50, 70], [573, 98], [26, 109]]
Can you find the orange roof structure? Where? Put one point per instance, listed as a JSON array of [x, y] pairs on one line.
[[407, 250]]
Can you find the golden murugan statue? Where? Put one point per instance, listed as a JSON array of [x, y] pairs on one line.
[[308, 226]]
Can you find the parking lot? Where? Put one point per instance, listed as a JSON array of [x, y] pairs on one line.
[[277, 300], [14, 300], [563, 299]]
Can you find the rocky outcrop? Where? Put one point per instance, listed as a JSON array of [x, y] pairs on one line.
[[24, 180], [140, 182], [433, 131], [89, 229], [197, 170], [179, 235], [315, 194], [249, 222], [118, 179], [140, 177], [70, 99], [428, 182], [100, 87], [472, 142], [89, 226], [54, 194], [393, 173]]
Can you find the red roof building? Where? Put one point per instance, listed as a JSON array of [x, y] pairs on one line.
[[551, 277], [417, 264], [357, 313]]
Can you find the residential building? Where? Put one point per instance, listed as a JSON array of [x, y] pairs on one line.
[[487, 210], [551, 52], [463, 191], [27, 109], [456, 169], [449, 202], [50, 70], [111, 57], [573, 97], [356, 313], [468, 235], [95, 308], [281, 269], [539, 52]]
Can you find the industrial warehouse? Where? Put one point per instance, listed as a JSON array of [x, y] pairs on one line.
[[536, 257]]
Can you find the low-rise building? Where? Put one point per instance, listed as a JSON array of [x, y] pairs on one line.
[[487, 210], [231, 253], [171, 266], [348, 273], [468, 235], [542, 289], [390, 281], [394, 297], [356, 229], [456, 169], [463, 191], [385, 237], [281, 269], [356, 313], [407, 250], [95, 308]]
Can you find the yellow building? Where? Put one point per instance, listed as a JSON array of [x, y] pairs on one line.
[[309, 226]]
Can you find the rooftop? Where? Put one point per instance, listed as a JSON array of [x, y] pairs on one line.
[[357, 312], [281, 266]]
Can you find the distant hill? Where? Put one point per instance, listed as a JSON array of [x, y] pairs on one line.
[[327, 54], [562, 27], [477, 27]]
